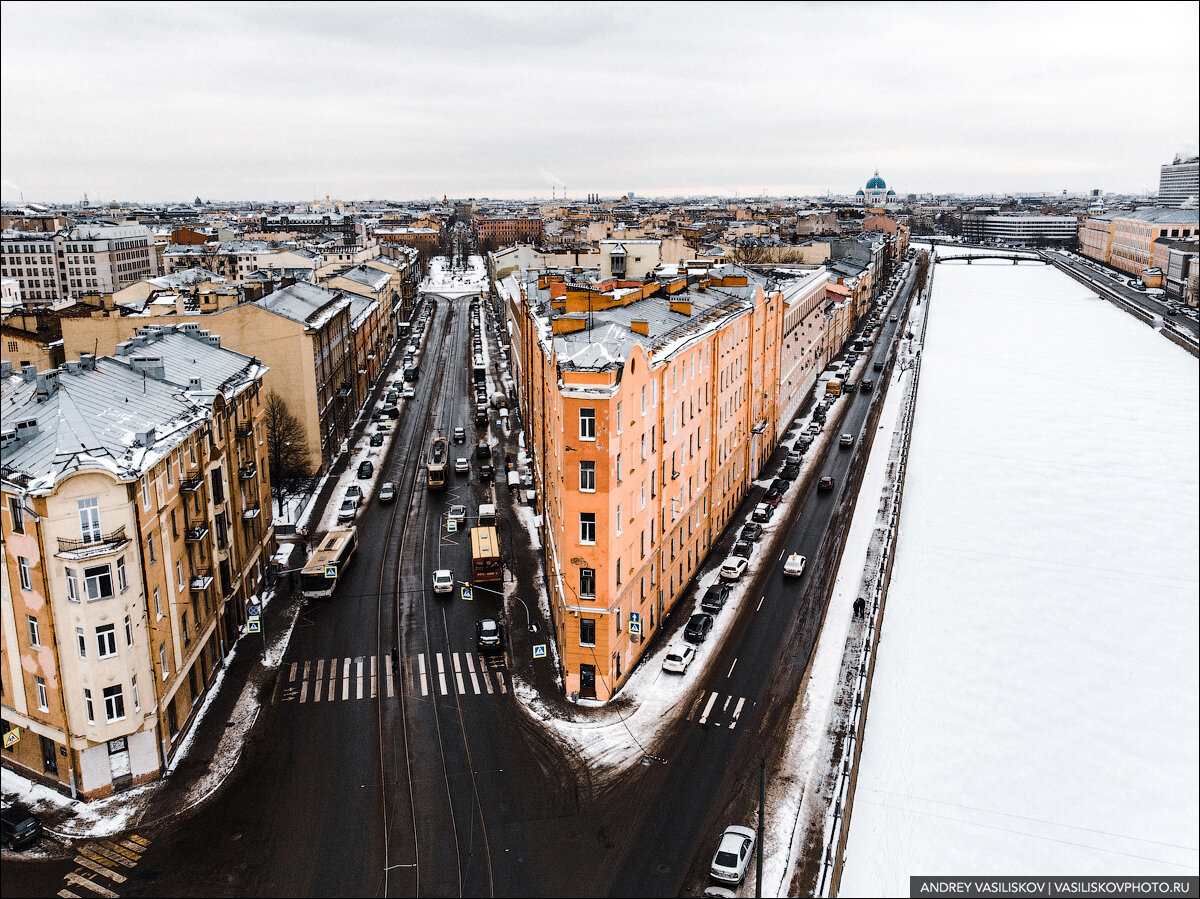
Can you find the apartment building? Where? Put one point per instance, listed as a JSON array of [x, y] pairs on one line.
[[84, 259], [238, 259], [648, 408], [1179, 181], [304, 333], [1125, 240], [136, 524], [496, 231]]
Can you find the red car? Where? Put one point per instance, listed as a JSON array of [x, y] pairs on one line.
[[826, 483]]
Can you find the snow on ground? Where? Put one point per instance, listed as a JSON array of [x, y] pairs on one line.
[[1034, 707], [447, 282]]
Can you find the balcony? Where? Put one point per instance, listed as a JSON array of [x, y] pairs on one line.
[[248, 472], [250, 512], [244, 430], [193, 482], [200, 580], [195, 534], [82, 549]]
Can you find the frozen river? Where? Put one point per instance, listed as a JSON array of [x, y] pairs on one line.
[[1034, 708]]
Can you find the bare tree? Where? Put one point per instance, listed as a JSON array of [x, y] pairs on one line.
[[749, 254], [922, 272], [287, 445]]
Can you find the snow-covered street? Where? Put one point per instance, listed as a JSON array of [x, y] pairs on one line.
[[1034, 707]]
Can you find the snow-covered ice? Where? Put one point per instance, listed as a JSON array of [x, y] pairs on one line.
[[1034, 708]]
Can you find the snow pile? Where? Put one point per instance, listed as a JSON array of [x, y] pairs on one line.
[[1034, 707]]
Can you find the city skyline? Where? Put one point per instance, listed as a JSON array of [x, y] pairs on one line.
[[259, 102]]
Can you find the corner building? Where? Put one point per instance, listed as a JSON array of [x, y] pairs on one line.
[[648, 406]]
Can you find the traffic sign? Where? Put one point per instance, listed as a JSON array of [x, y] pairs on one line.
[[466, 591], [254, 626], [635, 627], [331, 572], [539, 650], [12, 737], [452, 525], [635, 616], [253, 609]]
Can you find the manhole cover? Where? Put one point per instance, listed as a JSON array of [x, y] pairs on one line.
[[664, 869]]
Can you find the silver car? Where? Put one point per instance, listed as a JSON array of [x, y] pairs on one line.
[[733, 855]]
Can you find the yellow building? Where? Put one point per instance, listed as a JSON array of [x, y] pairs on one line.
[[137, 524], [648, 408], [1125, 240]]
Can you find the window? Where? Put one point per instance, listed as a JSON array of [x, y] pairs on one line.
[[72, 585], [618, 621], [122, 579], [34, 634], [43, 699], [114, 703], [587, 631], [89, 520], [587, 477], [587, 582], [17, 516], [643, 399], [26, 575], [137, 699], [587, 424], [106, 640], [618, 583], [162, 660], [151, 555], [158, 613], [145, 485], [128, 631], [643, 447], [187, 638], [98, 582], [618, 418], [587, 527], [618, 468], [179, 573], [87, 704]]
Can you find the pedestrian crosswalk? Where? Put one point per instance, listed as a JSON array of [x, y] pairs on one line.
[[718, 709], [102, 862], [347, 678]]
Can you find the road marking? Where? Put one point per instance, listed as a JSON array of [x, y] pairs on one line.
[[441, 673], [374, 688], [458, 678], [135, 849], [760, 602], [708, 707], [731, 667], [391, 687], [424, 683], [85, 882], [737, 713], [346, 680], [67, 894], [320, 684], [728, 699], [695, 705], [358, 666], [332, 680], [304, 684], [485, 674], [471, 669], [781, 555], [100, 869], [109, 853]]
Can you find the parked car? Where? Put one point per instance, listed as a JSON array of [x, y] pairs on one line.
[[365, 469], [826, 483], [733, 568], [794, 566], [391, 411], [772, 497], [481, 419], [714, 598], [392, 396], [751, 531], [355, 493], [762, 513], [733, 854], [698, 628], [489, 638], [846, 440], [409, 392], [387, 492], [460, 435], [19, 827], [781, 484], [486, 472], [483, 451], [790, 471], [793, 458], [347, 511], [443, 581], [461, 465], [376, 439], [743, 549], [678, 657]]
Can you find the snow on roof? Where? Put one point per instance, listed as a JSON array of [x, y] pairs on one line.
[[309, 304]]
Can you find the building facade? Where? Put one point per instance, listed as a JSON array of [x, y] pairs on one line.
[[1179, 182], [72, 262], [1016, 229], [1125, 240]]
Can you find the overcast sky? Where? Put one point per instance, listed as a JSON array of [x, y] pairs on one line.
[[157, 102]]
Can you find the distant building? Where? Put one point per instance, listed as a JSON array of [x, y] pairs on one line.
[[77, 261], [1125, 240], [1179, 182], [876, 194], [1179, 261], [502, 230], [1018, 228]]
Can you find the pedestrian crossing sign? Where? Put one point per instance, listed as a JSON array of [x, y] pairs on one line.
[[539, 650], [331, 572], [254, 627], [635, 627], [12, 737], [451, 526], [466, 591]]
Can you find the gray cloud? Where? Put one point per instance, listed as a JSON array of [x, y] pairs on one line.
[[276, 101]]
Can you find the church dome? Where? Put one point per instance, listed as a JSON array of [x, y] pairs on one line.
[[860, 193], [876, 183], [891, 193]]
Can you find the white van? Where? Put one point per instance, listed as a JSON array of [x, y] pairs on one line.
[[487, 514]]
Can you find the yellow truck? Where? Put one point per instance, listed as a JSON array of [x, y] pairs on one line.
[[833, 388]]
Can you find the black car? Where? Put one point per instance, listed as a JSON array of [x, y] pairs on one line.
[[743, 548], [483, 451], [781, 484], [804, 443], [878, 366], [751, 531], [486, 472], [481, 420], [868, 385], [377, 439], [697, 628], [714, 598], [489, 636], [412, 373], [826, 483], [772, 497], [19, 827], [790, 471], [365, 469]]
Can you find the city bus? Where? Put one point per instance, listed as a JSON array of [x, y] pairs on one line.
[[435, 468], [485, 555], [332, 556]]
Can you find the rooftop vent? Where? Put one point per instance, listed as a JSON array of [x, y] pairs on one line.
[[29, 373], [150, 366], [47, 383], [144, 438], [193, 383], [88, 361]]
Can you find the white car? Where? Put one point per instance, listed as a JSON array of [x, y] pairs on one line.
[[733, 568], [678, 658], [443, 581], [457, 513], [733, 854], [461, 465], [409, 392], [794, 566]]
